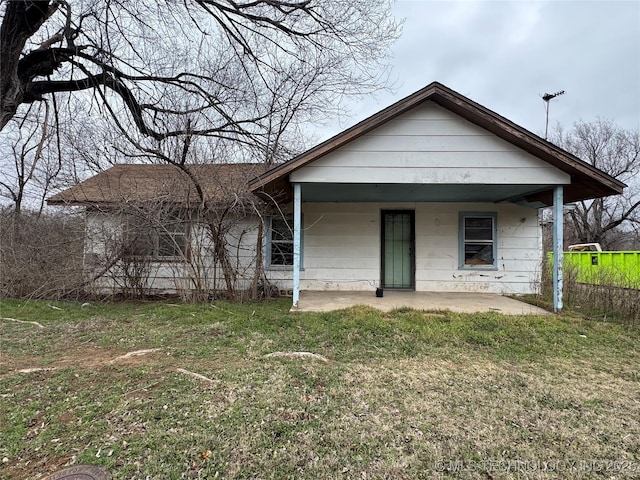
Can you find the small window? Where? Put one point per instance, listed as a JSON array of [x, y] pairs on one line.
[[477, 240], [165, 239], [279, 243], [281, 240], [172, 242]]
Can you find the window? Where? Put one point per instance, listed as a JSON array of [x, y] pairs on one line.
[[280, 242], [477, 240], [165, 239]]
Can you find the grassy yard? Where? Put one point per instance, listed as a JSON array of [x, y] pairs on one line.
[[406, 394]]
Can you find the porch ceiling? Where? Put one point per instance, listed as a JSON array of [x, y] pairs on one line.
[[350, 192]]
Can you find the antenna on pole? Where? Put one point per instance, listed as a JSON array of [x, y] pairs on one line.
[[546, 97]]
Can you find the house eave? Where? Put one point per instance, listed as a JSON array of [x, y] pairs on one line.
[[586, 181], [598, 182], [54, 202]]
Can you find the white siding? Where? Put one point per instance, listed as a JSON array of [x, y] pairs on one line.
[[103, 233], [342, 248], [430, 144], [199, 271], [342, 251]]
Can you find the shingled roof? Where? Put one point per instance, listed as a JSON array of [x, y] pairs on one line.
[[144, 183]]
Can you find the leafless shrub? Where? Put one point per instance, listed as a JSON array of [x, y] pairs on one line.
[[604, 298], [40, 254]]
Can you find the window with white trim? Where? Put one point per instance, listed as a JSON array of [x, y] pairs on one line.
[[478, 243]]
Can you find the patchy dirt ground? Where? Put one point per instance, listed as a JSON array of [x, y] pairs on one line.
[[81, 357]]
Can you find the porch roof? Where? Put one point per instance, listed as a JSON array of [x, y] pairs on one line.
[[586, 181]]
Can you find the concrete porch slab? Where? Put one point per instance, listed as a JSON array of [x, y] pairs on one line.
[[326, 301]]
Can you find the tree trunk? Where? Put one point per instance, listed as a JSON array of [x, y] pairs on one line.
[[259, 260], [21, 21], [221, 255]]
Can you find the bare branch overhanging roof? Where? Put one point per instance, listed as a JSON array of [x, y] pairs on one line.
[[146, 183], [586, 180]]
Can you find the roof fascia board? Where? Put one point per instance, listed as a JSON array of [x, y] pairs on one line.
[[466, 108]]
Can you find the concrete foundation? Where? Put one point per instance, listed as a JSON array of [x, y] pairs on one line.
[[324, 301]]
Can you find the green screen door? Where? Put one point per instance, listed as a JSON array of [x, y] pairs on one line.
[[397, 249]]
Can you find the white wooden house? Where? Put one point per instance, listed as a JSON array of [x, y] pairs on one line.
[[434, 193]]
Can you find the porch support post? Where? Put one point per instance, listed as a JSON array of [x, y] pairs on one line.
[[297, 203], [558, 240]]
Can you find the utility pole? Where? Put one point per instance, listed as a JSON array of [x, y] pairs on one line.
[[546, 97]]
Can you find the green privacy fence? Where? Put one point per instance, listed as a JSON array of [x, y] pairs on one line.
[[620, 269]]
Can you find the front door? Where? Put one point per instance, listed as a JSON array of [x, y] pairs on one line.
[[398, 264]]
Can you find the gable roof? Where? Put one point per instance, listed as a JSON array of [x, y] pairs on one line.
[[145, 183], [586, 180]]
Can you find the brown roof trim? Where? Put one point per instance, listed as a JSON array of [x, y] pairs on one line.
[[519, 136], [592, 182]]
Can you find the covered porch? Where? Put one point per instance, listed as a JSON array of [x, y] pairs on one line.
[[465, 302], [435, 193]]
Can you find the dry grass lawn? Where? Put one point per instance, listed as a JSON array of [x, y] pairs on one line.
[[403, 395]]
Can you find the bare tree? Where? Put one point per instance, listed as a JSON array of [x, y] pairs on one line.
[[616, 151], [182, 82], [29, 168], [113, 74], [132, 59]]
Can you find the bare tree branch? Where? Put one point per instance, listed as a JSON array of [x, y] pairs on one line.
[[616, 151], [117, 42]]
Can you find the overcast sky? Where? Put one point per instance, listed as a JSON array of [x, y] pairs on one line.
[[506, 54]]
